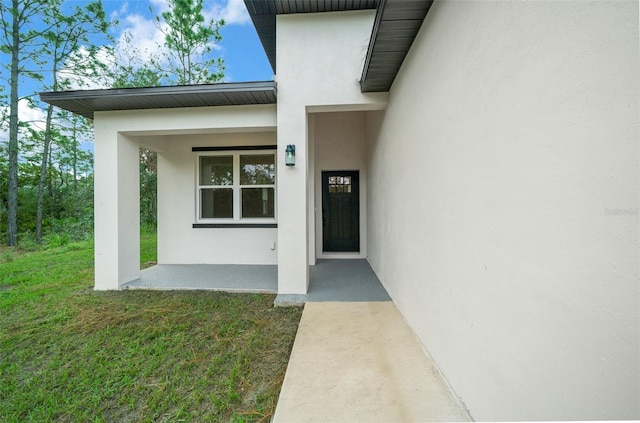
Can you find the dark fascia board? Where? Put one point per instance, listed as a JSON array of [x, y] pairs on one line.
[[395, 28], [87, 102]]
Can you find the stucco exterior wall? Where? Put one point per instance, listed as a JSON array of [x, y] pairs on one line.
[[118, 137], [339, 144], [503, 209], [319, 61], [116, 207], [178, 241]]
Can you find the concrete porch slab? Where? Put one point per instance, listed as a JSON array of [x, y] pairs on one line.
[[215, 277], [360, 362], [329, 280], [350, 280]]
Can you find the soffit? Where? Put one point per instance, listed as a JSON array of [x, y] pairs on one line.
[[395, 27], [87, 102]]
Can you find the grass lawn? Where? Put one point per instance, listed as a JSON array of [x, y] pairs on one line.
[[68, 353]]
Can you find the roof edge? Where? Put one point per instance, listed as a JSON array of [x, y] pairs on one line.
[[372, 43], [220, 87], [87, 102]]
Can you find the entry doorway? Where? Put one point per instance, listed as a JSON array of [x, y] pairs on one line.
[[341, 211]]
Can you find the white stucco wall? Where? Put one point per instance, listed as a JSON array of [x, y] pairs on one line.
[[178, 241], [116, 207], [319, 61], [339, 144], [503, 204], [118, 136]]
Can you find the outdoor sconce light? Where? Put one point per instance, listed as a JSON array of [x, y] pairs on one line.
[[290, 155]]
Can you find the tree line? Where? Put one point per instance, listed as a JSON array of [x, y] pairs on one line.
[[46, 163]]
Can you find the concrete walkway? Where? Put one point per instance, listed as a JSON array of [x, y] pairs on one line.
[[360, 362]]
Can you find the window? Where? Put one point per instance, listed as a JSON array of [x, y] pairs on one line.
[[234, 186], [339, 184]]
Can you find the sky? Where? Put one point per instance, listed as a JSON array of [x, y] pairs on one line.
[[240, 47]]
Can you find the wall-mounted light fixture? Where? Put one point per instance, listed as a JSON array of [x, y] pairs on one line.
[[290, 155]]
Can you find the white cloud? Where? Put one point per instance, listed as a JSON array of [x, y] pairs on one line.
[[138, 33], [234, 12], [86, 82], [161, 5], [33, 117], [146, 37]]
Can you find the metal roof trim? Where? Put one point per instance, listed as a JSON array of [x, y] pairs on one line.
[[87, 102], [163, 90]]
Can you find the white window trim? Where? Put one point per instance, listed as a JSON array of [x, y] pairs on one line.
[[237, 187]]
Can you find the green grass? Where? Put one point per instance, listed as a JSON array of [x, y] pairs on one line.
[[148, 249], [68, 353]]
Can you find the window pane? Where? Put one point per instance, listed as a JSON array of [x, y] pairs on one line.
[[258, 202], [216, 170], [257, 169], [216, 203]]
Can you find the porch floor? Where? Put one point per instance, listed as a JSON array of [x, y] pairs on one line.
[[215, 277], [329, 280], [360, 362], [344, 280]]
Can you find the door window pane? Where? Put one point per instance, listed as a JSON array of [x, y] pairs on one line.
[[216, 170], [339, 184], [257, 169], [258, 202], [216, 203]]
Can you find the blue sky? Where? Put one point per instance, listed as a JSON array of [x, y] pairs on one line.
[[240, 47]]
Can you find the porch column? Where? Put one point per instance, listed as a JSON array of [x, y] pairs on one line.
[[116, 207], [293, 264]]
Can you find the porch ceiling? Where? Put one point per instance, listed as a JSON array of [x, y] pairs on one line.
[[87, 102], [396, 25]]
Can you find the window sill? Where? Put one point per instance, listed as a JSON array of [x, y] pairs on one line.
[[233, 225]]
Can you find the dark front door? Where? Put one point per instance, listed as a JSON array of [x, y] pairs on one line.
[[340, 211]]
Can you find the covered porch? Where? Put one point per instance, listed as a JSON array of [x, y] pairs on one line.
[[329, 280]]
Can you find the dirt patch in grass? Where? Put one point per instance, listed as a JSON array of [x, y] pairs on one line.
[[68, 353]]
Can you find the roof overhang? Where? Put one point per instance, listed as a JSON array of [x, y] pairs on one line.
[[396, 25], [87, 102]]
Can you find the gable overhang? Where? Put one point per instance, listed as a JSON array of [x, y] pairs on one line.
[[396, 25], [87, 102]]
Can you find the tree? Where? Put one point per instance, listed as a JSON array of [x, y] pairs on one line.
[[66, 36], [189, 39], [35, 33], [148, 187], [129, 69], [185, 57], [20, 38]]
